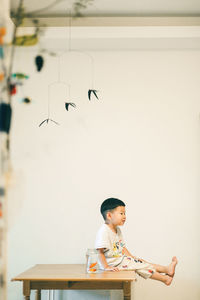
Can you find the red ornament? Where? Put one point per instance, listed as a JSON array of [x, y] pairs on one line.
[[13, 89]]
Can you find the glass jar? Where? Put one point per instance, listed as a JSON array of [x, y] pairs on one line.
[[92, 261]]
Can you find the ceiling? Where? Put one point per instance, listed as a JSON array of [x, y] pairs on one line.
[[116, 7], [122, 24]]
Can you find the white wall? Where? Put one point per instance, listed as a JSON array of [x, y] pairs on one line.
[[140, 142]]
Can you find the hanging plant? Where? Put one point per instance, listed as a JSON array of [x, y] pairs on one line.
[[80, 5], [26, 40], [77, 8]]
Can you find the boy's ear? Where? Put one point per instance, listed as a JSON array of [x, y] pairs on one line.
[[108, 215]]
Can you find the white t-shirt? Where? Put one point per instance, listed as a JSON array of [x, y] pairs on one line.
[[112, 243]]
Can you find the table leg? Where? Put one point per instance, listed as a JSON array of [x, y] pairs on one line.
[[26, 289], [127, 290], [38, 295]]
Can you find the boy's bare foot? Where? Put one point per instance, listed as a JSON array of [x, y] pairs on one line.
[[172, 266], [168, 280]]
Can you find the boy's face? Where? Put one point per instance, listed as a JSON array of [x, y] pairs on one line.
[[118, 216]]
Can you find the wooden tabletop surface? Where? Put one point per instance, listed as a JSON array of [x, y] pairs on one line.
[[71, 272]]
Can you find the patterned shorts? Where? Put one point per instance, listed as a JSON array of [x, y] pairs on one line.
[[143, 269]]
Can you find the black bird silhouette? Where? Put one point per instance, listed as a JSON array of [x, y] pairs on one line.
[[47, 120], [39, 61], [67, 104], [90, 92]]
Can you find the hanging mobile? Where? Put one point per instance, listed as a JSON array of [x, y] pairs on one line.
[[48, 117], [67, 104], [90, 92]]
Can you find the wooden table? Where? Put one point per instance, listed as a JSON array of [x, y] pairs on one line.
[[73, 277]]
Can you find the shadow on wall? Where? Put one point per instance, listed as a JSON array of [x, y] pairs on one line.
[[2, 292], [179, 290], [143, 290], [83, 295]]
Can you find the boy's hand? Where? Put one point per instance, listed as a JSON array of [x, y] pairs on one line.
[[114, 269]]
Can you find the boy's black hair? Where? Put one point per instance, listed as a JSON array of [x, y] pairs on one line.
[[110, 204]]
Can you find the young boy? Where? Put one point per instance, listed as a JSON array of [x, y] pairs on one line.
[[114, 256]]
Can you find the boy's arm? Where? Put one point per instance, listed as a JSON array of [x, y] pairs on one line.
[[127, 253], [104, 262]]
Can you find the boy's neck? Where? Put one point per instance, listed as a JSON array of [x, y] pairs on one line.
[[112, 227]]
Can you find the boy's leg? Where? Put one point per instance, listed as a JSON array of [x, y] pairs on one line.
[[160, 269], [170, 270], [163, 278]]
